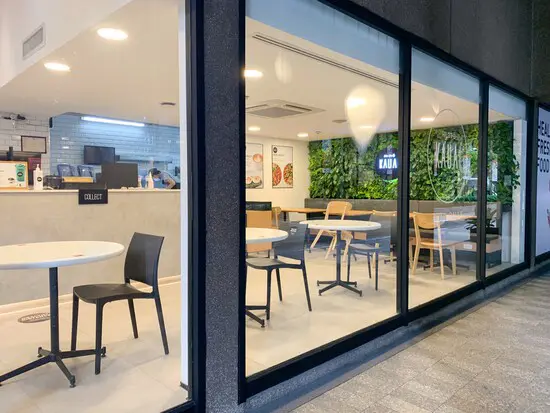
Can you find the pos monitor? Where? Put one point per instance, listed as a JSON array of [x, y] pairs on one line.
[[118, 175]]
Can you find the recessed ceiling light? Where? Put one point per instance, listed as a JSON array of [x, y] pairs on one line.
[[427, 119], [365, 127], [57, 67], [254, 128], [112, 34], [303, 135], [252, 73]]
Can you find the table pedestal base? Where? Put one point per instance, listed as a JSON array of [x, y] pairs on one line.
[[47, 356], [349, 285]]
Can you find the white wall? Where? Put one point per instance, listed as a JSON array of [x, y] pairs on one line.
[[62, 20], [291, 197]]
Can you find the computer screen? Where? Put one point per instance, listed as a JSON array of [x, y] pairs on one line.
[[118, 175]]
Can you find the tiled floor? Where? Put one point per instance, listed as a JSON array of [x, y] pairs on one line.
[[136, 376], [293, 330], [496, 359]]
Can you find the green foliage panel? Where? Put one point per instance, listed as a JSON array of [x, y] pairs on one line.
[[338, 170]]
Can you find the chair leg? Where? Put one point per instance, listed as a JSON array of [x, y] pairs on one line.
[[278, 273], [133, 317], [98, 333], [415, 262], [316, 239], [410, 254], [349, 265], [268, 298], [161, 324], [306, 286], [330, 247], [368, 264], [441, 265], [74, 329], [453, 257], [377, 259]]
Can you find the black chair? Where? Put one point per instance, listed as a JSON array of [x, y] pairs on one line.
[[378, 241], [293, 248], [142, 260]]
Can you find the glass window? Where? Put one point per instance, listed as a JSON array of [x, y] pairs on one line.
[[321, 143], [443, 179], [102, 110], [506, 181]]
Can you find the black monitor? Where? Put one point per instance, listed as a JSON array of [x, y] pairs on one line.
[[99, 155], [118, 175]]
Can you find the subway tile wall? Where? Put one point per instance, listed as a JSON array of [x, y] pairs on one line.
[[10, 134], [152, 145]]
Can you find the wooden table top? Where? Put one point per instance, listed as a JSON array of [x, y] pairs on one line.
[[303, 210]]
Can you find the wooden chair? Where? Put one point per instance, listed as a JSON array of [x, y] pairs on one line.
[[338, 208], [432, 221]]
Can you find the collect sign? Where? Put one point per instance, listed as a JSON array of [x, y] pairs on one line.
[[92, 196], [386, 163], [543, 183]]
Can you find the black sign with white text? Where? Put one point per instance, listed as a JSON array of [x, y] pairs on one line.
[[386, 163], [93, 196]]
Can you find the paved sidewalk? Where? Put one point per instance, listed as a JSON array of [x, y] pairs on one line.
[[495, 359]]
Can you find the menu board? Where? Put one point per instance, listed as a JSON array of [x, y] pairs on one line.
[[13, 175], [254, 165], [282, 167]]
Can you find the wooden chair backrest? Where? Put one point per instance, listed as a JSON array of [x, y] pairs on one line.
[[430, 221], [338, 208], [275, 213], [385, 213]]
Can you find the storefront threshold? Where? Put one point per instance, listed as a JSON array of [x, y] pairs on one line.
[[297, 390]]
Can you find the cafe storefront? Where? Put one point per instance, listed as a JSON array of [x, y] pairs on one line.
[[322, 179]]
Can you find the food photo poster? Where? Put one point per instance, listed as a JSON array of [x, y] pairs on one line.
[[254, 165], [282, 167], [543, 184]]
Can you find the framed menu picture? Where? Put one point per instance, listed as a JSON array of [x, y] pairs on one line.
[[13, 175], [254, 166], [35, 144], [282, 167]]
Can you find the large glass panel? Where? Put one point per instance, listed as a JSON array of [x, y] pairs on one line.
[[506, 181], [443, 179], [97, 109], [321, 143]]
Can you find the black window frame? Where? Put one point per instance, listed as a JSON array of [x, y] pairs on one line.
[[256, 383]]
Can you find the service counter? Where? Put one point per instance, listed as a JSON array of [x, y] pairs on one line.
[[38, 216]]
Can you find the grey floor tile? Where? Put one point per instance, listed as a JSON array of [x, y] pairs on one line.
[[448, 409], [353, 397], [405, 393], [401, 406], [378, 408]]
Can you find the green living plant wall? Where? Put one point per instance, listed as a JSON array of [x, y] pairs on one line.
[[339, 171]]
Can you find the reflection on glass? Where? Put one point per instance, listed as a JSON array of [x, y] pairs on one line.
[[506, 185], [321, 146], [443, 179]]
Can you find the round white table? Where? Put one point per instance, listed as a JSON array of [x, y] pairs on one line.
[[339, 225], [260, 236], [53, 255]]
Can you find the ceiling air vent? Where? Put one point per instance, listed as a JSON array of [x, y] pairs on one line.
[[34, 42], [276, 109]]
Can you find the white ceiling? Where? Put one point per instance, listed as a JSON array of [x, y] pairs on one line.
[[129, 79]]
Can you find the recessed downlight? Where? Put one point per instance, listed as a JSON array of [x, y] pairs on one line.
[[253, 74], [427, 119], [254, 128], [110, 33], [303, 135], [57, 67]]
